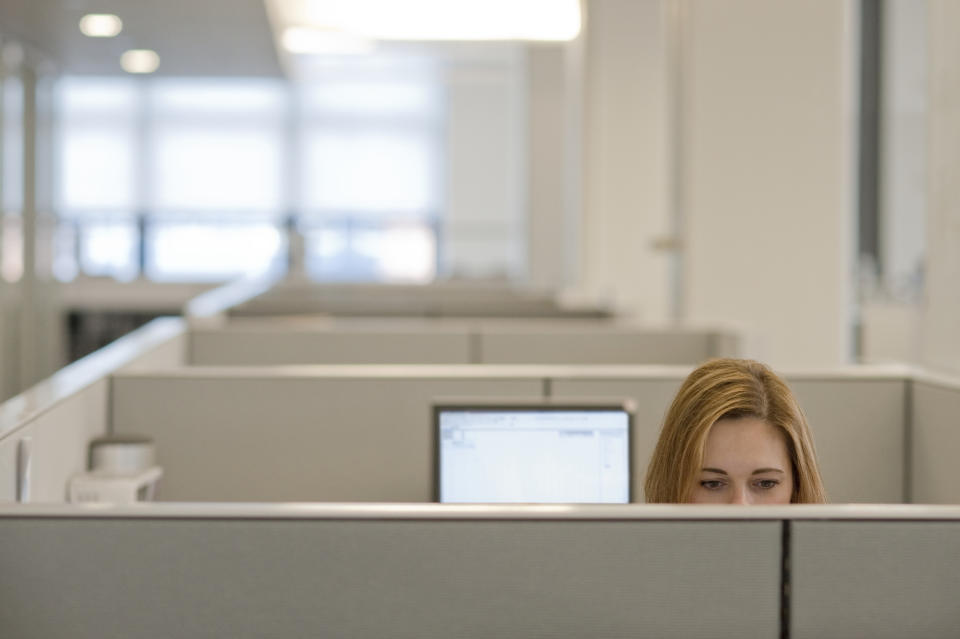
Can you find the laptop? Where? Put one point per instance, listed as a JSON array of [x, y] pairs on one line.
[[537, 451]]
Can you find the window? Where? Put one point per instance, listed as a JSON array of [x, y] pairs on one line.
[[202, 180]]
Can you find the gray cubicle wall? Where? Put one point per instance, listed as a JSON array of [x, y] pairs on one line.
[[318, 571], [857, 417], [299, 434], [934, 447], [432, 570], [877, 579], [362, 433], [407, 341]]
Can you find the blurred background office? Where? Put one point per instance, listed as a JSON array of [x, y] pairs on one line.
[[784, 168]]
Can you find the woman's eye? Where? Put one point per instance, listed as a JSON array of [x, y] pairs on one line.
[[712, 484], [767, 484]]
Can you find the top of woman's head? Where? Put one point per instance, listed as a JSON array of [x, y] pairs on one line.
[[729, 389]]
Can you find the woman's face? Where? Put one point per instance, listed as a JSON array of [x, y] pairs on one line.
[[745, 461]]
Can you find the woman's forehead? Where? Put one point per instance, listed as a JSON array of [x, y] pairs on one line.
[[745, 444]]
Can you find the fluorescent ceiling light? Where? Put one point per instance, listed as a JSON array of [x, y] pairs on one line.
[[139, 61], [324, 41], [435, 19], [100, 25]]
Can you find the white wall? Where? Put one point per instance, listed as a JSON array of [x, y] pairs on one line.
[[768, 173], [625, 168], [941, 305], [761, 125]]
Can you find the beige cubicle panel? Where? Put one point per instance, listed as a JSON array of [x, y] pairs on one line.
[[345, 433], [857, 421], [859, 428], [414, 572], [258, 342], [877, 579], [292, 343], [934, 448], [451, 299], [598, 345], [299, 434]]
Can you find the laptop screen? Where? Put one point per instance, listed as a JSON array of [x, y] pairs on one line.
[[538, 453]]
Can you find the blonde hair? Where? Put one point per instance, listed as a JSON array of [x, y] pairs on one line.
[[729, 388]]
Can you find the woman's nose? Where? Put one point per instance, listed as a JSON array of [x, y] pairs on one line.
[[739, 496]]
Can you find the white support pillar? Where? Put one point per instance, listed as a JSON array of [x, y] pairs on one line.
[[940, 321], [28, 282], [625, 167], [769, 174], [549, 147], [35, 323], [9, 353]]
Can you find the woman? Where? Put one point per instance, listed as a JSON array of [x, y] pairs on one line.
[[735, 435]]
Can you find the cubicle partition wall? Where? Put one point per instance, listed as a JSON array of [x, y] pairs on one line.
[[423, 571], [933, 448], [438, 299], [601, 344], [45, 431], [325, 342], [269, 320], [363, 433], [456, 341], [887, 574], [326, 433]]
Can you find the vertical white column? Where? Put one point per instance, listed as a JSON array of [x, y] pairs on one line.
[[39, 330], [51, 327], [941, 306], [570, 216], [486, 166], [11, 203], [548, 152], [769, 174], [625, 172], [7, 344], [29, 369]]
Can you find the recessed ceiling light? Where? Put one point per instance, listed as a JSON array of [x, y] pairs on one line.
[[100, 25], [139, 61]]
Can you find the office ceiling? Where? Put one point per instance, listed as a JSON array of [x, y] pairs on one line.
[[192, 37]]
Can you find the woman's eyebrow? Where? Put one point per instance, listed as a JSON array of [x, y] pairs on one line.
[[758, 471]]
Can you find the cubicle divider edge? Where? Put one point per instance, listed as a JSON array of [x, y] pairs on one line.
[[45, 430], [934, 444]]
